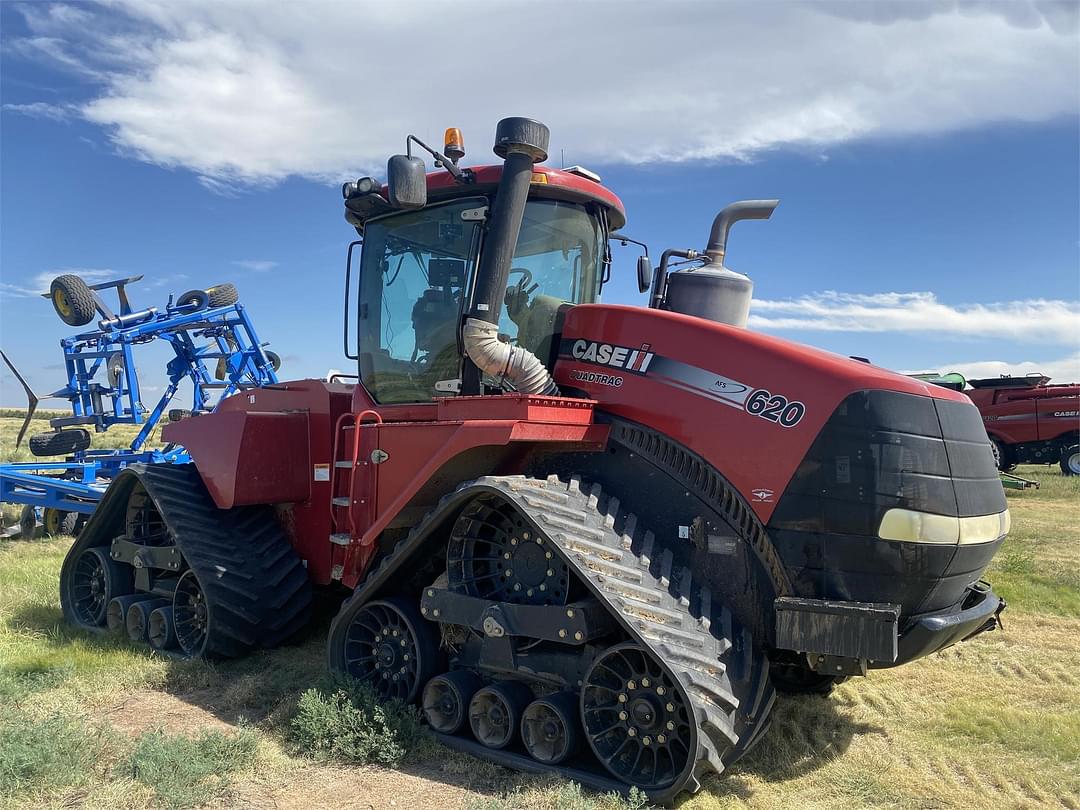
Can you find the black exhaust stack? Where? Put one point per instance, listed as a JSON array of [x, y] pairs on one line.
[[522, 143]]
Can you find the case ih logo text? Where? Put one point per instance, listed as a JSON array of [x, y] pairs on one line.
[[604, 354]]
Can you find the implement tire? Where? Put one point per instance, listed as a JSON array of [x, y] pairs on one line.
[[28, 522], [222, 295], [60, 442], [59, 522], [73, 300]]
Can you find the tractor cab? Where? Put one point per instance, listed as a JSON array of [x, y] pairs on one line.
[[419, 264]]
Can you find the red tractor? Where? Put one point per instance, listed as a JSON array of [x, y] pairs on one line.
[[1030, 422], [585, 538]]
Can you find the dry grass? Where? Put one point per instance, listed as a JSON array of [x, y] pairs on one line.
[[994, 722]]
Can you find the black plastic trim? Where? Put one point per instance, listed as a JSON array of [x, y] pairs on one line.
[[931, 633]]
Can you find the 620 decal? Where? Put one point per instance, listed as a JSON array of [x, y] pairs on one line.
[[774, 407]]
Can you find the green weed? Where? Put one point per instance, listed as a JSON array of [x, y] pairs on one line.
[[57, 751], [349, 725], [189, 771]]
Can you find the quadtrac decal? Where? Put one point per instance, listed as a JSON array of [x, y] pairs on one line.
[[768, 405]]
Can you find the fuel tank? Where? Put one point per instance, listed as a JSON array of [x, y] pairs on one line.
[[873, 486]]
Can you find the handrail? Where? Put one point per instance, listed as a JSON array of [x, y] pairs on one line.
[[357, 418]]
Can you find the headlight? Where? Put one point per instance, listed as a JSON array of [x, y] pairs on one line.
[[911, 526]]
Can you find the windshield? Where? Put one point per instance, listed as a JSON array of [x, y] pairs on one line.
[[557, 261], [416, 267]]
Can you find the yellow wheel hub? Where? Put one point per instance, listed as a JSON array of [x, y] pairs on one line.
[[60, 301], [52, 521]]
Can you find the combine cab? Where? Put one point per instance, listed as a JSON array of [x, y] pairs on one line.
[[585, 538]]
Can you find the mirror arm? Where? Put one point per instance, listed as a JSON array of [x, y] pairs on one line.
[[440, 159], [623, 238]]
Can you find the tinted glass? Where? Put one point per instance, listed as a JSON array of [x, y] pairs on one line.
[[413, 273], [558, 259]]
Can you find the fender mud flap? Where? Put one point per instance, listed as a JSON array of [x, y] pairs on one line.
[[724, 677]]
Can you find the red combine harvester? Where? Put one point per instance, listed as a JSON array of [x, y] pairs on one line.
[[1030, 422], [586, 538]]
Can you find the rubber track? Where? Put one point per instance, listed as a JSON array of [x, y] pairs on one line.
[[665, 610], [256, 585]]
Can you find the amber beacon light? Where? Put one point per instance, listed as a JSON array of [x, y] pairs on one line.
[[453, 144]]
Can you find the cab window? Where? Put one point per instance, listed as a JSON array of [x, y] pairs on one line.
[[558, 260], [414, 270]]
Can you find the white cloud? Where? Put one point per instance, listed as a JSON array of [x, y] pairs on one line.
[[1062, 369], [39, 284], [1035, 320], [244, 95], [40, 109], [256, 265]]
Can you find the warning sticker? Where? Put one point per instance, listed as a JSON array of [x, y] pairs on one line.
[[322, 472]]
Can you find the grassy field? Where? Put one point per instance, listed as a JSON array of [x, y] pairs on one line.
[[92, 721]]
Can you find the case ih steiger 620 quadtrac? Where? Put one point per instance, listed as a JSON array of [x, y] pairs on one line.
[[586, 538]]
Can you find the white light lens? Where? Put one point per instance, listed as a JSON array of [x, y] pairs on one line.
[[910, 526]]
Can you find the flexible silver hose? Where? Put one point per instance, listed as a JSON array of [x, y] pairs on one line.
[[518, 365]]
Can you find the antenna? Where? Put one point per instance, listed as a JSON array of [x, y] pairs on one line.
[[562, 158]]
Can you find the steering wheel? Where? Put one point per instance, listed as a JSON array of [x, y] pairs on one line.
[[526, 277]]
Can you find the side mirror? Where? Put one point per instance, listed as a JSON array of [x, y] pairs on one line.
[[406, 182], [644, 273]]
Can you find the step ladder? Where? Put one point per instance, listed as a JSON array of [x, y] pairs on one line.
[[345, 500]]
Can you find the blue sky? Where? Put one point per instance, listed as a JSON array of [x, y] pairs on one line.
[[926, 159]]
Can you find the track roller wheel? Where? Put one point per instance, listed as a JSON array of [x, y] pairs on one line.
[[116, 612], [160, 631], [446, 700], [388, 645], [494, 554], [94, 581], [191, 615], [636, 719], [495, 712], [137, 620], [549, 728]]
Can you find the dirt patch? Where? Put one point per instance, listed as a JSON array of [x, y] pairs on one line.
[[446, 781], [355, 789], [147, 710]]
